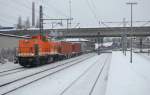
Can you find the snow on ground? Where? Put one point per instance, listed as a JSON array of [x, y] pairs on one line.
[[85, 84], [29, 79], [8, 66], [119, 78], [100, 88], [31, 71], [57, 83], [146, 55], [126, 78]]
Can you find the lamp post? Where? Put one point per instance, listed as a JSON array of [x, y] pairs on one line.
[[131, 4]]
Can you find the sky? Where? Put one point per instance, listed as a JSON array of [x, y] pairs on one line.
[[86, 12]]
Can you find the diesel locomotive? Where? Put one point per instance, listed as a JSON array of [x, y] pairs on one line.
[[40, 50]]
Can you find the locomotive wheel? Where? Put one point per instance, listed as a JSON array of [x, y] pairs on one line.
[[50, 59], [27, 61], [25, 65]]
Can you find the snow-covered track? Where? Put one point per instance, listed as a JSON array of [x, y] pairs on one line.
[[100, 72], [86, 71], [10, 70], [9, 87]]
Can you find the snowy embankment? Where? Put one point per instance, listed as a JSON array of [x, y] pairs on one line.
[[126, 78]]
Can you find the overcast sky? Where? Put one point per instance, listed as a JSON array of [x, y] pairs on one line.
[[85, 12]]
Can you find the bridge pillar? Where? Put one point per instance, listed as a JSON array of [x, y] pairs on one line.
[[141, 45], [98, 40], [100, 43], [124, 43]]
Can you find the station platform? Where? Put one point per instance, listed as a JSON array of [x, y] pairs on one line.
[[127, 78]]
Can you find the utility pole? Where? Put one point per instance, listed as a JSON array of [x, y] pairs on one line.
[[33, 14], [131, 4], [41, 19], [70, 13], [67, 24], [141, 44]]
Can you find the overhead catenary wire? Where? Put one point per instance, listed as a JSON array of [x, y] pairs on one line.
[[105, 24], [56, 10], [92, 11], [148, 22], [3, 3], [16, 11], [128, 22], [24, 6], [94, 6], [4, 21]]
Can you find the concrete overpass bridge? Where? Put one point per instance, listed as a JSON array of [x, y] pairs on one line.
[[107, 32], [87, 32], [11, 41]]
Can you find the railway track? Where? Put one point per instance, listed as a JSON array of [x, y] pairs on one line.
[[10, 70], [17, 70], [8, 87], [97, 78], [100, 73]]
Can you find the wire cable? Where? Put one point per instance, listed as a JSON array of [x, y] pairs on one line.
[[92, 11]]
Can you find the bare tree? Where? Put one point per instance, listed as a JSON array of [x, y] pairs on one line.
[[37, 23], [19, 24], [7, 54], [27, 23]]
